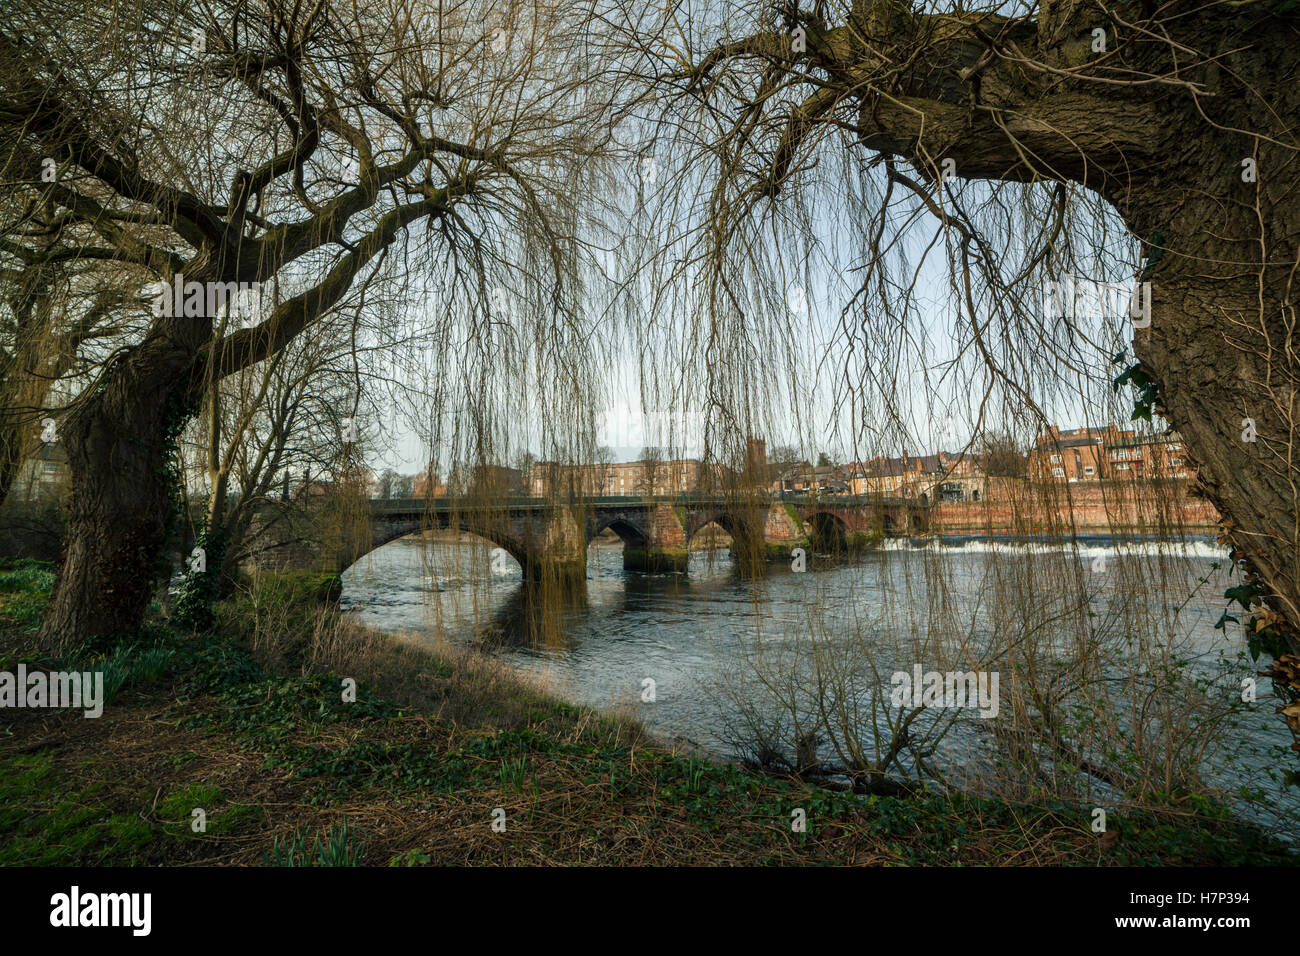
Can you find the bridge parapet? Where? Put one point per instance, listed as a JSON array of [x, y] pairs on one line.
[[549, 539]]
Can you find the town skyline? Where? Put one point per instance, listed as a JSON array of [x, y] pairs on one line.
[[1078, 454]]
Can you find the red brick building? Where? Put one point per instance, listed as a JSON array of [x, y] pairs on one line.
[[1093, 454]]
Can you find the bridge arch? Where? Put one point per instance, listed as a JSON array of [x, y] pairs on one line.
[[697, 522], [382, 533], [827, 531], [628, 533], [389, 534]]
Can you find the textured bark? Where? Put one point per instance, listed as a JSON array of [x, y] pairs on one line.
[[120, 510], [28, 368]]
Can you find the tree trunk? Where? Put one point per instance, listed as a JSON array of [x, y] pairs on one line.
[[121, 505], [1227, 380], [1222, 254]]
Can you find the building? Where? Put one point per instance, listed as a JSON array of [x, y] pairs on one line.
[[44, 476], [791, 478], [493, 481], [1093, 454], [1148, 456], [887, 477], [427, 483], [803, 478], [677, 476], [951, 477], [939, 477], [756, 465], [1077, 454]]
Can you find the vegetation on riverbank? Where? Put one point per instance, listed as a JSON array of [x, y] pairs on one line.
[[249, 725]]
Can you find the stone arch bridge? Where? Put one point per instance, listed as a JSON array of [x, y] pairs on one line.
[[550, 539]]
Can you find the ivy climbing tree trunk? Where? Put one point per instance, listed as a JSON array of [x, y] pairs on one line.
[[119, 444]]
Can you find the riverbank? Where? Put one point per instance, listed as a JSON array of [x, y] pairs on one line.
[[250, 726]]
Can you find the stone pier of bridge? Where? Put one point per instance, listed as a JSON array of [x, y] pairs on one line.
[[655, 543]]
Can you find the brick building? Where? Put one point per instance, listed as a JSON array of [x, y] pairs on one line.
[[1093, 454], [676, 476], [1149, 456], [942, 476], [1074, 454]]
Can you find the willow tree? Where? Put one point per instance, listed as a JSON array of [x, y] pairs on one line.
[[1021, 131], [302, 150]]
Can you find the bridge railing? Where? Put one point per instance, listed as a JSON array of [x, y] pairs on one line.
[[523, 502]]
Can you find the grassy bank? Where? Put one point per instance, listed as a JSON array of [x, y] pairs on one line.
[[250, 726]]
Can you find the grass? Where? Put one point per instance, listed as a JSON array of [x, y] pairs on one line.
[[24, 588], [338, 846], [252, 728]]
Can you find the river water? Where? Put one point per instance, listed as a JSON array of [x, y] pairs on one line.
[[681, 652]]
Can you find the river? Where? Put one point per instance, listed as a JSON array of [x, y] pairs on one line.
[[699, 637]]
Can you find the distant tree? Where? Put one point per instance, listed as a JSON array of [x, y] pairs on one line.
[[1003, 456], [651, 460], [426, 482], [783, 459], [784, 456], [824, 460], [524, 463], [604, 458]]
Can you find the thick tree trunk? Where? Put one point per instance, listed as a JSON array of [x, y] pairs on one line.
[[1222, 253], [1227, 379], [1222, 349], [11, 457], [120, 508]]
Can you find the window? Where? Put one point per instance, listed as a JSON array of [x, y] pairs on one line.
[[1176, 462], [1055, 459], [1089, 470], [1121, 467], [1058, 472]]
